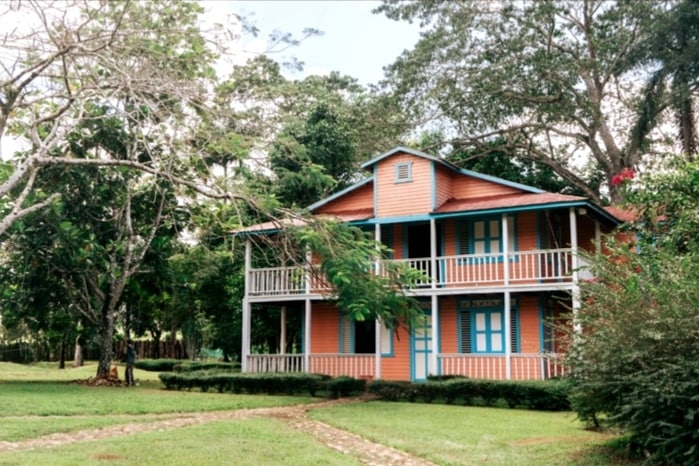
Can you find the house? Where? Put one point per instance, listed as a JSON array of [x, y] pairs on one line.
[[501, 259]]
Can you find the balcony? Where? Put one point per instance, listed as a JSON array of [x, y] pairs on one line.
[[452, 272]]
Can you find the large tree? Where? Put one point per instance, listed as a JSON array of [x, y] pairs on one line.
[[540, 76], [148, 60]]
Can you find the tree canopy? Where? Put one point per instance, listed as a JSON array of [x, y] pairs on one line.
[[542, 77]]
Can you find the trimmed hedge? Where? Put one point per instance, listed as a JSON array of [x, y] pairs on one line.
[[180, 365], [267, 383], [156, 365], [551, 395]]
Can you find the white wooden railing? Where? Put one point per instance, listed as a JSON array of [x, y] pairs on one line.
[[539, 266], [275, 363], [522, 366]]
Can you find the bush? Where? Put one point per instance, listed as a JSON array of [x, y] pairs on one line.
[[190, 366], [157, 365], [344, 386], [550, 395]]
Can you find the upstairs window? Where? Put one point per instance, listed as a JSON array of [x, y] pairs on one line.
[[483, 236], [404, 172]]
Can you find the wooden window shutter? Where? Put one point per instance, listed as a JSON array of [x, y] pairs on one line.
[[514, 329], [465, 331], [462, 235], [346, 334]]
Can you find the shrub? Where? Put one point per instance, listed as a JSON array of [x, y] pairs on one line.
[[157, 365]]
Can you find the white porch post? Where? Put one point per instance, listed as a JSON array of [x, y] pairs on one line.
[[598, 238], [307, 315], [377, 340], [245, 344], [575, 265], [307, 339], [508, 309], [377, 330], [434, 305], [282, 337]]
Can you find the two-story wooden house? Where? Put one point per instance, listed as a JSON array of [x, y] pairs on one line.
[[500, 261]]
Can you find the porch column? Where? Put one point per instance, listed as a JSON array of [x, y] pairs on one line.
[[435, 336], [575, 265], [598, 238], [377, 330], [307, 339], [433, 252], [282, 337], [245, 345], [508, 309], [377, 342]]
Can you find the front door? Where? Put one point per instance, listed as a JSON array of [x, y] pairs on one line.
[[421, 344]]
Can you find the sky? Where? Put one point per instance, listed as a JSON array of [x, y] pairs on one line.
[[355, 41]]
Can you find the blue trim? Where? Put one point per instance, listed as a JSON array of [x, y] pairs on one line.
[[488, 331], [341, 193], [423, 353], [433, 184], [376, 192], [516, 312], [391, 351]]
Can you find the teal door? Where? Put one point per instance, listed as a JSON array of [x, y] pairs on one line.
[[421, 346]]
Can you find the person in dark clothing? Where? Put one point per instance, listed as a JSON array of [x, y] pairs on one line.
[[130, 360]]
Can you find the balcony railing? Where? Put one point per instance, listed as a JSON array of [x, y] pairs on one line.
[[522, 366], [461, 271]]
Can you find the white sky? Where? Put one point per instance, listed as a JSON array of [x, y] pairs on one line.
[[355, 41]]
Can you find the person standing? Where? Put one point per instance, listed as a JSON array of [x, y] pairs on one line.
[[130, 360]]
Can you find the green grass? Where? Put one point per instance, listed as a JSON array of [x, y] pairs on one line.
[[251, 442], [457, 435], [39, 400]]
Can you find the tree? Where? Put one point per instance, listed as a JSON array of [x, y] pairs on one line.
[[312, 161], [671, 49], [539, 76], [635, 363], [62, 58]]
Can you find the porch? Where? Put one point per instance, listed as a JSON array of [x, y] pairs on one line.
[[454, 272], [517, 366]]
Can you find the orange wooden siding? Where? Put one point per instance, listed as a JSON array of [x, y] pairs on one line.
[[529, 328], [397, 367], [325, 328], [448, 325], [406, 198], [360, 198], [470, 187], [444, 188]]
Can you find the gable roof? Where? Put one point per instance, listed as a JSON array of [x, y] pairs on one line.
[[493, 179]]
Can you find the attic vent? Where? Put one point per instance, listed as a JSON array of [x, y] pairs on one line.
[[404, 172]]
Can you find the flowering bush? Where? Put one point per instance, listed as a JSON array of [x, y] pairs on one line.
[[625, 175]]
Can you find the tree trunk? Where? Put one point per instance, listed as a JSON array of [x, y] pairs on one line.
[[62, 362], [78, 356], [106, 333]]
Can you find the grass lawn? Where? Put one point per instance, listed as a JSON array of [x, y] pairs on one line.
[[39, 400], [457, 435]]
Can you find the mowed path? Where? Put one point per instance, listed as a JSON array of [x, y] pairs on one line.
[[365, 451]]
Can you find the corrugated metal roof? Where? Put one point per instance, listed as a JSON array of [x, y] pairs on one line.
[[505, 200]]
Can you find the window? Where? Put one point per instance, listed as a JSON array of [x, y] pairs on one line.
[[483, 236], [481, 326], [404, 172], [359, 337]]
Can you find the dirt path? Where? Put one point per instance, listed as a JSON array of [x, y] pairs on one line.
[[367, 452]]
